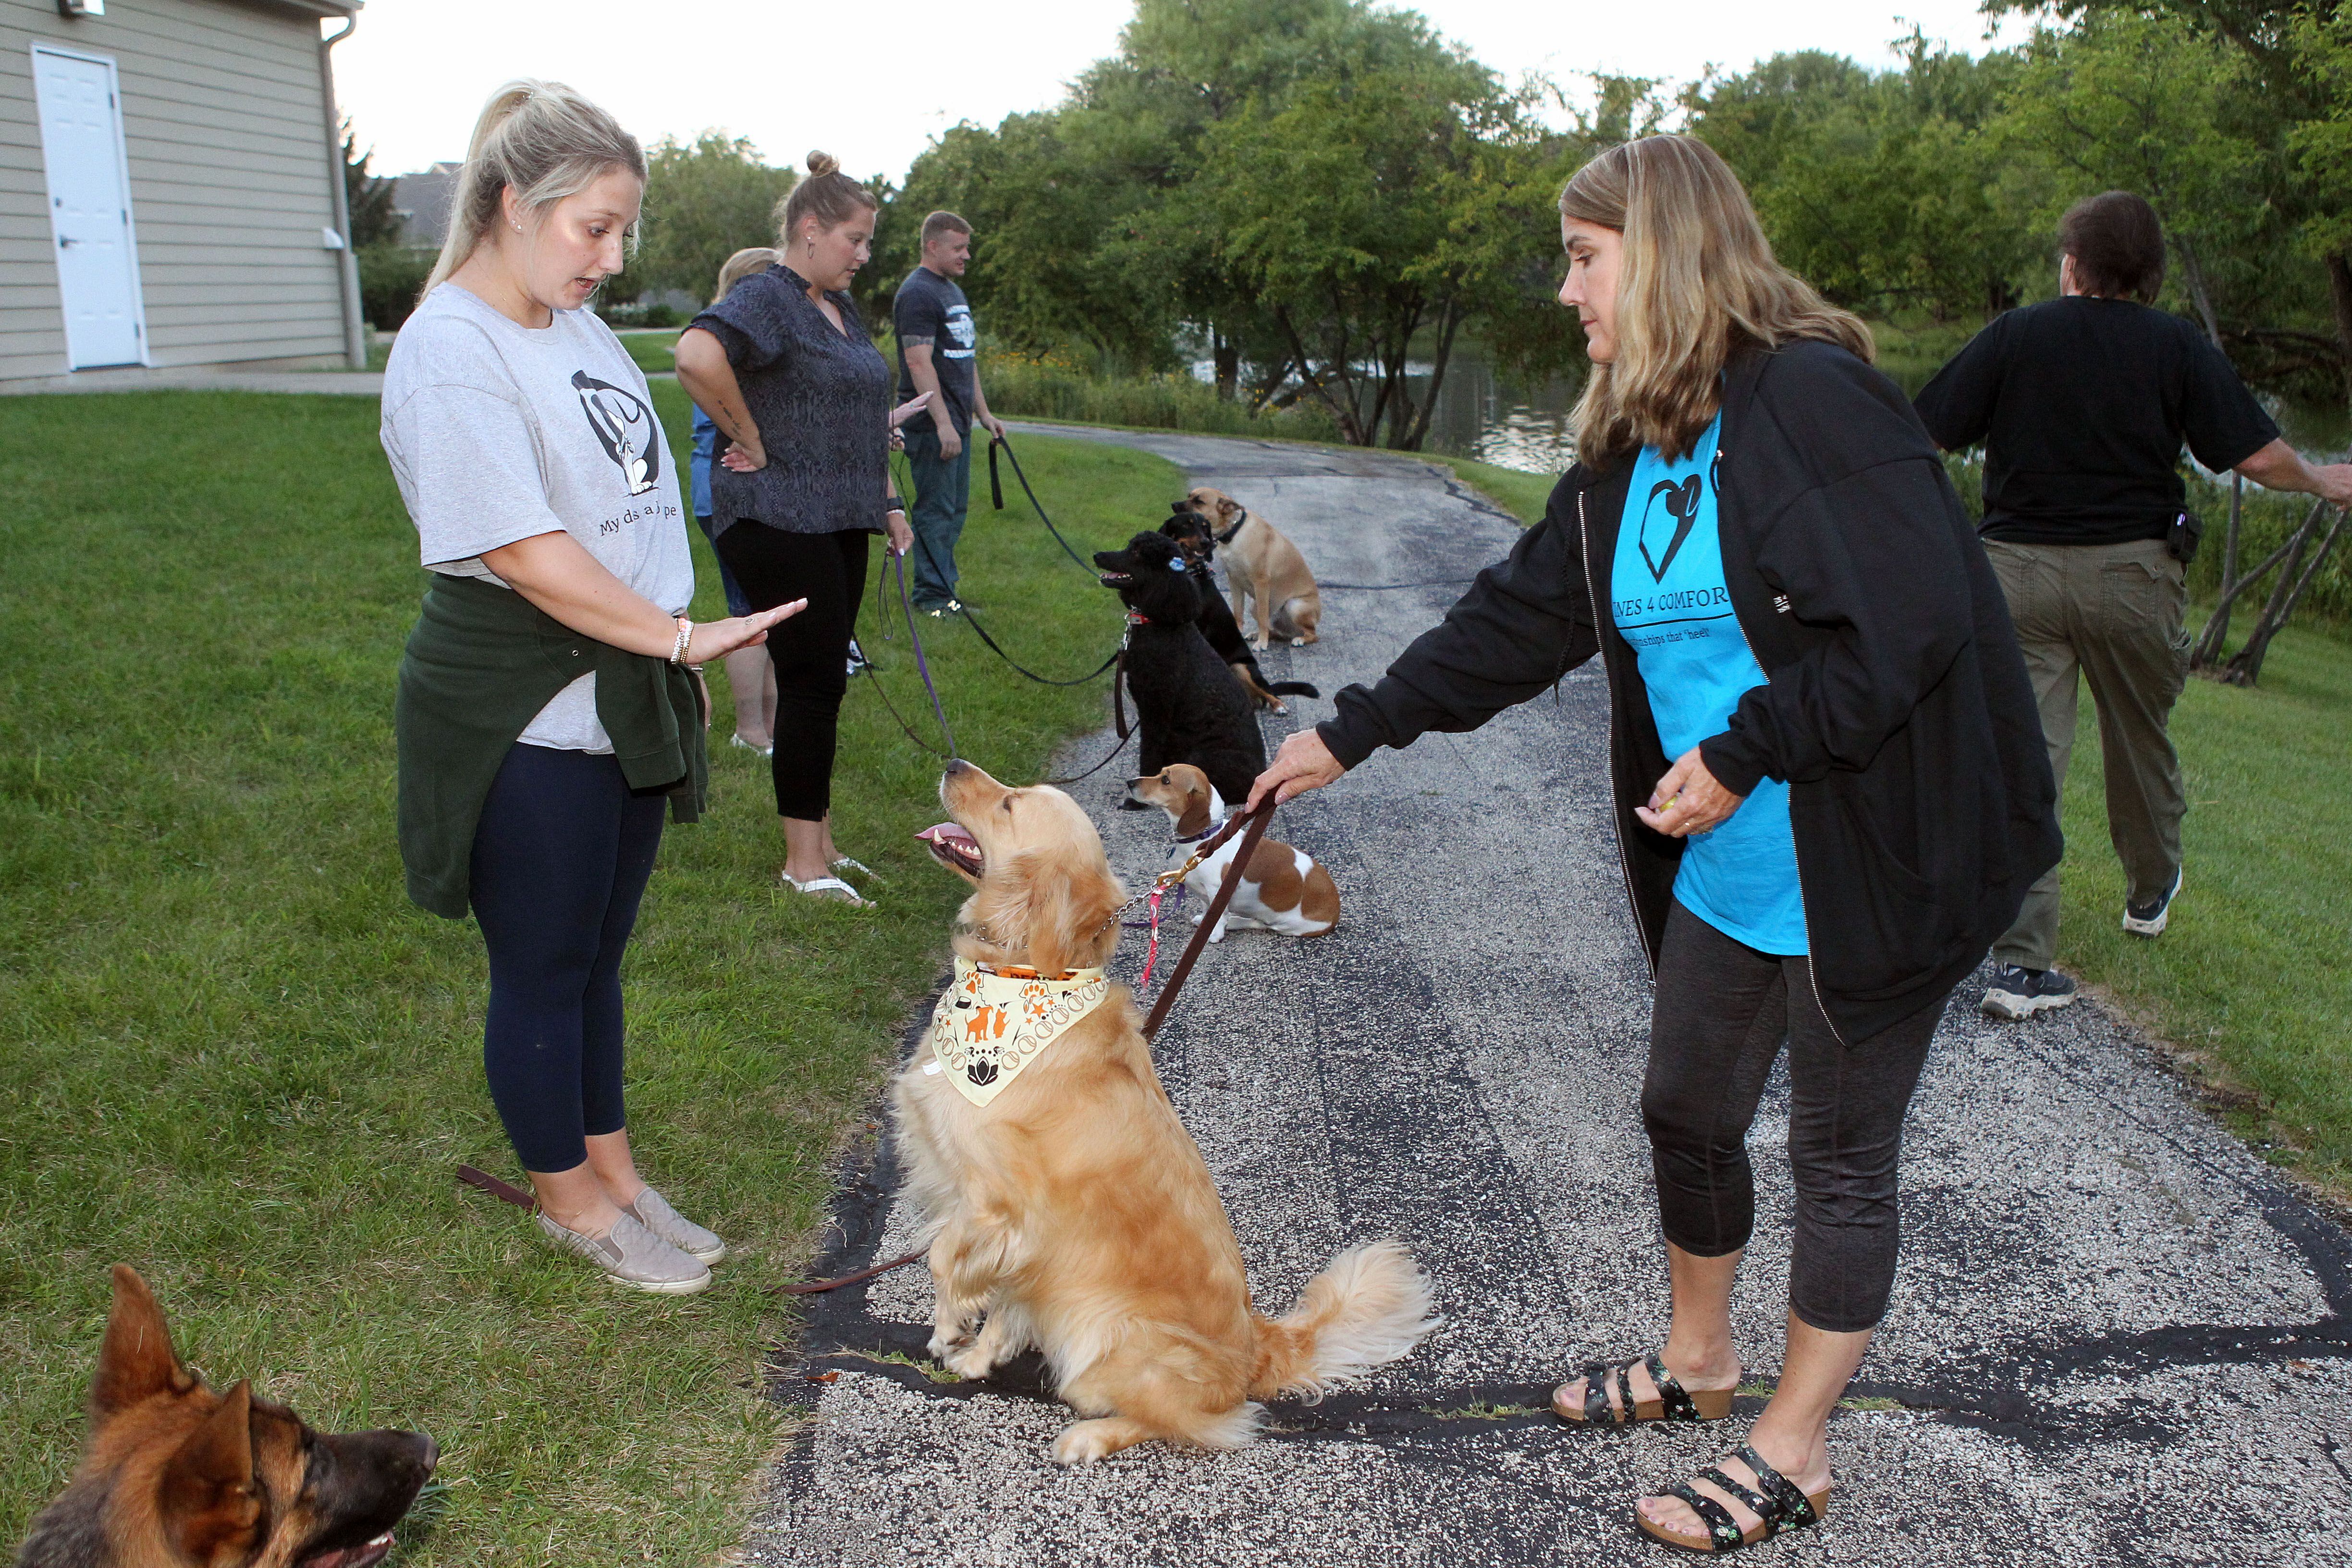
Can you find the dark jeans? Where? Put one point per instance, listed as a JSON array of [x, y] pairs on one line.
[[810, 651], [942, 489], [1723, 1010], [561, 858]]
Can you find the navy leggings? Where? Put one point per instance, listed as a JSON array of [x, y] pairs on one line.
[[561, 858]]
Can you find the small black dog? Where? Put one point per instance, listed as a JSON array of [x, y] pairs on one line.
[[1191, 706], [1198, 541]]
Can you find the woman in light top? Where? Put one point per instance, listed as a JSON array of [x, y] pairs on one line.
[[546, 708]]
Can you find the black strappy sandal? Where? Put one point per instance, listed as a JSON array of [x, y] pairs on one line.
[[1779, 1506], [1674, 1403]]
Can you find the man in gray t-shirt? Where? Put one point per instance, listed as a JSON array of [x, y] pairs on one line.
[[938, 353]]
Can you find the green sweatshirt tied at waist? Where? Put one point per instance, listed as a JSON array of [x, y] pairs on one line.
[[481, 663]]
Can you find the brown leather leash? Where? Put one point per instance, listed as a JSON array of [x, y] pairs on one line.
[[499, 1190], [1252, 826]]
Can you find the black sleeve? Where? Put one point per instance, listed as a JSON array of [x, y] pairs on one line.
[[2223, 423], [750, 324], [1957, 405], [917, 316], [1525, 622]]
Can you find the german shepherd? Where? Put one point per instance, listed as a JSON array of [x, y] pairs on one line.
[[175, 1473]]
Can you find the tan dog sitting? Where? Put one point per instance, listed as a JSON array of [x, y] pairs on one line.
[[1261, 564], [1070, 1209], [1281, 888]]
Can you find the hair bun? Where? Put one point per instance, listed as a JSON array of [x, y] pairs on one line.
[[820, 164]]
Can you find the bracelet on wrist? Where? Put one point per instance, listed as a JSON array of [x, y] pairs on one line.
[[684, 636]]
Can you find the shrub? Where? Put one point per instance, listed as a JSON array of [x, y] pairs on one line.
[[1053, 388], [390, 278]]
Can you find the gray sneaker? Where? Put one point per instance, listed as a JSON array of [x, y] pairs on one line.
[[654, 1212], [633, 1255]]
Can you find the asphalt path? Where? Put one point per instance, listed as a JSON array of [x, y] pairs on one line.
[[2116, 1336]]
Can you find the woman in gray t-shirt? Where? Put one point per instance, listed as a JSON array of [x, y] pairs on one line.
[[547, 507]]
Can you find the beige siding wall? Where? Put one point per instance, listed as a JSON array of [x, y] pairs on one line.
[[230, 182]]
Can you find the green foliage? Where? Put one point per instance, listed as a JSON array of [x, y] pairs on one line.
[[1304, 188], [369, 199], [705, 200], [1055, 388], [390, 276]]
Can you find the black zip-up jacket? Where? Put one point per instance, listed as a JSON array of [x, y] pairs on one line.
[[1897, 704]]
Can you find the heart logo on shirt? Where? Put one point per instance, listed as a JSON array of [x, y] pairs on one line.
[[1682, 506]]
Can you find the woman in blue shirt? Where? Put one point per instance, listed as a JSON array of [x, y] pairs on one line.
[[1830, 784]]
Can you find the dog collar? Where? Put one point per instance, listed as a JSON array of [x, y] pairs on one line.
[[994, 1020], [1227, 537], [1135, 620], [1196, 837]]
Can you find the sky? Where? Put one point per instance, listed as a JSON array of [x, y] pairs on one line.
[[873, 87]]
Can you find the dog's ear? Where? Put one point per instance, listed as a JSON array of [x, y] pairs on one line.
[[1227, 508], [1064, 912], [206, 1495], [135, 1361]]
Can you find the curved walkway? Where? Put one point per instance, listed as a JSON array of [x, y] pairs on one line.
[[2116, 1338]]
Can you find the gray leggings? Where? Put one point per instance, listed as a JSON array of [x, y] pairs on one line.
[[1723, 1009]]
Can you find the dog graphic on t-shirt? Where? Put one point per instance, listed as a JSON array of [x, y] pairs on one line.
[[625, 428]]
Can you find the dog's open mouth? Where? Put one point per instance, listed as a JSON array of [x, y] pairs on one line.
[[1116, 579], [364, 1555], [954, 847]]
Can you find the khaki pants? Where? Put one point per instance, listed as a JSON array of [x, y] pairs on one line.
[[2112, 613]]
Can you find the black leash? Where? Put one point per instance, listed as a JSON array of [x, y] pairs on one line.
[[996, 494], [1384, 588]]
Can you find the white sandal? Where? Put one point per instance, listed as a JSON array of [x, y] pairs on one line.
[[846, 864], [831, 887]]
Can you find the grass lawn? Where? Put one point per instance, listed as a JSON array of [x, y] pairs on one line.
[[231, 1054], [2254, 972]]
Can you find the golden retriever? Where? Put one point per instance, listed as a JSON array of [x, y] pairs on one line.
[[1072, 1212], [1262, 564]]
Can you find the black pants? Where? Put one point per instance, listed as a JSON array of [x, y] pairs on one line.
[[561, 858], [810, 651], [1722, 1012]]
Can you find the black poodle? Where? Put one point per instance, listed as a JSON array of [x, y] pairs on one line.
[[1190, 706], [1198, 541]]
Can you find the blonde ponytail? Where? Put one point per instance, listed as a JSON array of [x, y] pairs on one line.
[[544, 141]]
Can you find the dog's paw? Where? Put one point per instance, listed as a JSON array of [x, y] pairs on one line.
[[1299, 642], [945, 1347], [1087, 1441], [970, 1364]]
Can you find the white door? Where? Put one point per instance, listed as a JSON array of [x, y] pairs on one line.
[[90, 209]]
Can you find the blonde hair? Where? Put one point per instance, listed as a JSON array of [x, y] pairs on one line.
[[1696, 282], [741, 265], [544, 141], [830, 196]]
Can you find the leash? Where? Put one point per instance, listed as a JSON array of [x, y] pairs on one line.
[[996, 494], [922, 665], [1384, 588], [818, 1288], [1255, 822], [502, 1191]]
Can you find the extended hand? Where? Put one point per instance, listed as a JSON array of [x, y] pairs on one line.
[[2334, 482], [1304, 763], [717, 640], [909, 409], [1688, 800]]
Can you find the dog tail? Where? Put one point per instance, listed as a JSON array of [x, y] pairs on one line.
[[1292, 688], [1371, 1307]]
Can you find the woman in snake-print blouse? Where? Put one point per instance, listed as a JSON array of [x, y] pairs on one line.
[[785, 369]]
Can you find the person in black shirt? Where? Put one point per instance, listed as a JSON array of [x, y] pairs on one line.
[[938, 355], [2083, 404]]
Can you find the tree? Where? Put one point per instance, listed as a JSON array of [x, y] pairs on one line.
[[705, 200], [367, 198]]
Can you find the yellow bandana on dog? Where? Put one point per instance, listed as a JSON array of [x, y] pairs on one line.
[[992, 1023]]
